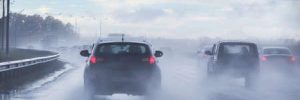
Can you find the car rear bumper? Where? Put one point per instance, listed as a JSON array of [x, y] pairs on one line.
[[119, 85], [278, 65], [128, 84], [237, 71], [125, 80]]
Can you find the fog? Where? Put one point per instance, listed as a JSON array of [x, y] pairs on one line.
[[182, 30], [184, 76]]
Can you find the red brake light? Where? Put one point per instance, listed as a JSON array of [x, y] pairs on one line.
[[264, 58], [152, 60], [93, 59], [293, 59]]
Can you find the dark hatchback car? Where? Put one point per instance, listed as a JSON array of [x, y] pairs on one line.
[[234, 58], [121, 67]]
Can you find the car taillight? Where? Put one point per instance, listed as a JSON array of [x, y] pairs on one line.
[[293, 58], [93, 59], [152, 60], [264, 58]]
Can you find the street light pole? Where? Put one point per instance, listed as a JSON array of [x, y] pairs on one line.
[[7, 27], [100, 27], [3, 27]]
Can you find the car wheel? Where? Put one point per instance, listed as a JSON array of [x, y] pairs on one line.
[[211, 72], [154, 85], [89, 91], [157, 84]]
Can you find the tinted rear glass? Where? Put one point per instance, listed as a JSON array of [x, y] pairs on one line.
[[276, 51], [238, 49], [122, 49]]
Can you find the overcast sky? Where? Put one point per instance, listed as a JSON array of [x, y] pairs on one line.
[[174, 18]]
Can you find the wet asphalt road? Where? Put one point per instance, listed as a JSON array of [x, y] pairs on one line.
[[183, 78]]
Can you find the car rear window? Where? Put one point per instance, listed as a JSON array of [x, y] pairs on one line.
[[238, 49], [122, 49], [276, 51]]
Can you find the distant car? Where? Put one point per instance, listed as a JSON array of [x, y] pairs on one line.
[[121, 67], [278, 57], [237, 59]]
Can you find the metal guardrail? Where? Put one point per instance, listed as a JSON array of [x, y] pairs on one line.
[[11, 65]]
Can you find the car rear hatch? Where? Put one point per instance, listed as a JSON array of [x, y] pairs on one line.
[[123, 62], [238, 57], [279, 59]]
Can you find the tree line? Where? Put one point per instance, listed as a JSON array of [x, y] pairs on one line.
[[33, 29]]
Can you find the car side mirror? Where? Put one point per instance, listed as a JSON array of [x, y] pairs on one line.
[[158, 54], [208, 52], [85, 53]]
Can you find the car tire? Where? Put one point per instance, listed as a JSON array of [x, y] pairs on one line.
[[89, 90], [155, 83], [211, 71]]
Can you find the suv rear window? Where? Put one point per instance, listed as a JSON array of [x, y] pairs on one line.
[[276, 51], [238, 49], [122, 49]]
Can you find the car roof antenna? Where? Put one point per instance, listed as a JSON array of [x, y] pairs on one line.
[[122, 37]]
